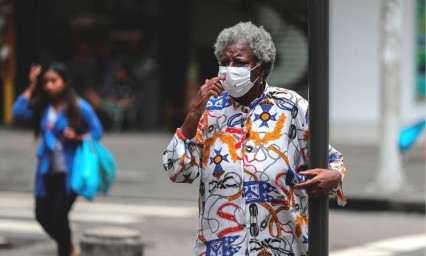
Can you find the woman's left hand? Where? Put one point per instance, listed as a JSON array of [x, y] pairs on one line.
[[70, 134], [320, 181]]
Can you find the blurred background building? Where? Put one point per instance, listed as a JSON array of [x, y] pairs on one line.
[[158, 53]]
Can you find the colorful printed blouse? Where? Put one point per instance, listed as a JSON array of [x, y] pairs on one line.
[[248, 165]]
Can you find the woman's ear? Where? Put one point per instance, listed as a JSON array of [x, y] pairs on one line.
[[263, 68], [263, 73]]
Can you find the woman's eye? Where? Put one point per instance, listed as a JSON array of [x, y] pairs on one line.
[[240, 63]]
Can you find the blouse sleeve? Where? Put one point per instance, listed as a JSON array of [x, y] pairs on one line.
[[91, 120], [182, 161], [22, 110], [335, 161]]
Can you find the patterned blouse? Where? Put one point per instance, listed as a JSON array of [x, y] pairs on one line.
[[248, 165]]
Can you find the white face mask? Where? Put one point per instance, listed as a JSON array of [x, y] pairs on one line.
[[237, 80]]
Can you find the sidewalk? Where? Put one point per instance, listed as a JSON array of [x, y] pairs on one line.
[[360, 149], [142, 151], [361, 178], [361, 159]]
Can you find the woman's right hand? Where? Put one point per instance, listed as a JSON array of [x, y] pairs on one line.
[[211, 87], [34, 72]]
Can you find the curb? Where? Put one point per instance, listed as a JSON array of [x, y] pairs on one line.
[[368, 204]]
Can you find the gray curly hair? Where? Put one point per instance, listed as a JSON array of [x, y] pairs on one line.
[[259, 40]]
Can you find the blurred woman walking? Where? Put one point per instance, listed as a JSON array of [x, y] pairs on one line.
[[61, 120]]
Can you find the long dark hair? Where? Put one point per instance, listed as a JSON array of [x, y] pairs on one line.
[[40, 100]]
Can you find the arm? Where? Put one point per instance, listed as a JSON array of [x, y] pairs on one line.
[[324, 181], [335, 162], [89, 120], [211, 87], [21, 108], [182, 161]]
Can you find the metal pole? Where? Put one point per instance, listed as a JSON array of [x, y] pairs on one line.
[[318, 112]]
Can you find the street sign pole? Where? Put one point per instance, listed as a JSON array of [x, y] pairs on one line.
[[319, 117]]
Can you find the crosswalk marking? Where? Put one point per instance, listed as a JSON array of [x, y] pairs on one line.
[[20, 226], [17, 213], [17, 217], [146, 210], [387, 247], [25, 202], [108, 208], [92, 217]]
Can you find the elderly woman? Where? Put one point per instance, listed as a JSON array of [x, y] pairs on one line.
[[248, 143]]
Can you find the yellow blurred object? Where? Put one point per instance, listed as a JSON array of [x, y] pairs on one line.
[[8, 60], [8, 92]]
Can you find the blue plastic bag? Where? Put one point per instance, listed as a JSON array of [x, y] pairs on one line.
[[107, 167], [409, 135], [85, 175]]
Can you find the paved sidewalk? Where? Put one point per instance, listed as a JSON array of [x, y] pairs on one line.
[[360, 148], [141, 151], [361, 179], [361, 159]]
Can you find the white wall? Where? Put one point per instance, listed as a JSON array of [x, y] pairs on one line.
[[411, 110], [355, 67]]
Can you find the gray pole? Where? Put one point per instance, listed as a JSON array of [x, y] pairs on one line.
[[318, 114], [390, 178]]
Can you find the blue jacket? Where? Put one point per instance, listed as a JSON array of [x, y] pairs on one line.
[[23, 112]]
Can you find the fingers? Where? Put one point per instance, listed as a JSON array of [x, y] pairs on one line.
[[213, 87], [312, 187], [320, 181], [310, 173], [69, 133], [306, 185], [35, 71]]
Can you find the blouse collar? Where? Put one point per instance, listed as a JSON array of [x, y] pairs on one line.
[[253, 104]]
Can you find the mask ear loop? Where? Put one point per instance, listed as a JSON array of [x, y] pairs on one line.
[[262, 82], [257, 65]]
